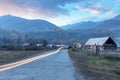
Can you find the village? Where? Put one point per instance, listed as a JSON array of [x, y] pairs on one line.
[[98, 56], [59, 39], [102, 46], [101, 51]]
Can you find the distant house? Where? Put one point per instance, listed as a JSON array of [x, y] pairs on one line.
[[77, 45], [59, 45], [50, 45], [103, 43], [26, 44], [39, 44]]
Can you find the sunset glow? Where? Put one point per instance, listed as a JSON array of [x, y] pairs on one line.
[[61, 12]]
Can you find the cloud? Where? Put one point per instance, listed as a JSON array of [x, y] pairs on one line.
[[93, 11], [45, 9], [97, 7], [42, 8]]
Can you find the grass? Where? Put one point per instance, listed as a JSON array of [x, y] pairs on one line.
[[9, 56], [96, 65]]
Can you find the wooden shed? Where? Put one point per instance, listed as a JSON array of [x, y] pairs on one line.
[[102, 43]]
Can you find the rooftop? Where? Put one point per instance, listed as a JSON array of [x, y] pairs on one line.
[[97, 41]]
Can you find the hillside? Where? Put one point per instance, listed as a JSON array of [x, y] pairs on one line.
[[9, 34], [112, 25], [23, 25], [106, 28], [81, 25]]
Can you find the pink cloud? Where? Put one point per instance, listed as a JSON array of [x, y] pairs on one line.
[[93, 11], [34, 8], [8, 7]]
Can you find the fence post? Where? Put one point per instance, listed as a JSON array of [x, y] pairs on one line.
[[97, 50]]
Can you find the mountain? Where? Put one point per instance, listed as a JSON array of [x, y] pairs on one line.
[[112, 25], [81, 25], [34, 30], [100, 30], [117, 17], [9, 34], [59, 36], [9, 22]]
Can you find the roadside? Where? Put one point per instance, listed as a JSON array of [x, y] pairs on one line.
[[13, 56], [28, 60], [95, 67]]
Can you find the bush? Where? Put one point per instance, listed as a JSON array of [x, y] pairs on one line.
[[73, 49]]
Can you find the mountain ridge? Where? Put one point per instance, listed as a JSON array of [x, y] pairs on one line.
[[81, 25], [10, 22], [110, 25]]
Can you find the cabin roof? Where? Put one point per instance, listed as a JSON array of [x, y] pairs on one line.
[[97, 41]]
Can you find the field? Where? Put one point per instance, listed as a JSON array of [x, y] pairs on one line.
[[10, 56], [97, 68]]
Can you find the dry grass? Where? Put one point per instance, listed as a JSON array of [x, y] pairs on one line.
[[101, 68], [9, 56]]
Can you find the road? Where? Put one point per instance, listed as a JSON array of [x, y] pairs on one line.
[[52, 67]]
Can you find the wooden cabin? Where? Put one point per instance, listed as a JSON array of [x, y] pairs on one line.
[[102, 43]]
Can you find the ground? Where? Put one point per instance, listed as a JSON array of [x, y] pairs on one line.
[[10, 56], [54, 67], [95, 67], [61, 66]]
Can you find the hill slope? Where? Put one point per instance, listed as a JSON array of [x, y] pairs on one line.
[[23, 25], [81, 25], [110, 25]]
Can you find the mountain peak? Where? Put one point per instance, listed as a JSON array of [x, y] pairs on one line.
[[8, 15]]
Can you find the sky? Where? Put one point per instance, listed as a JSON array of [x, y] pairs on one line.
[[61, 12]]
